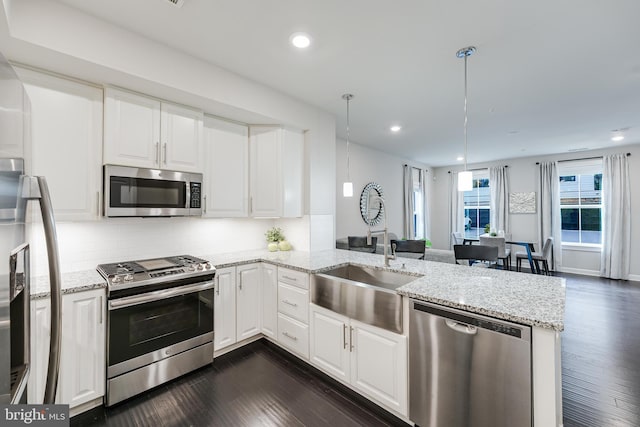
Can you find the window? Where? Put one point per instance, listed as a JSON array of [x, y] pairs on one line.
[[418, 204], [476, 205], [581, 202]]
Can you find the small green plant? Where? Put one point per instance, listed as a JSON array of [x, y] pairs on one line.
[[274, 235], [487, 228]]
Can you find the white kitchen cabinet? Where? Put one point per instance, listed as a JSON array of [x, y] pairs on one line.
[[141, 131], [226, 169], [248, 302], [39, 357], [82, 360], [66, 139], [13, 122], [276, 172], [329, 342], [270, 301], [370, 359], [225, 308]]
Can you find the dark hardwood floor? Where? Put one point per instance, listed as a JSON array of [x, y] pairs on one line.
[[601, 353], [261, 385]]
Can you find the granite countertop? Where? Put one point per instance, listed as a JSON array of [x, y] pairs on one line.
[[529, 299]]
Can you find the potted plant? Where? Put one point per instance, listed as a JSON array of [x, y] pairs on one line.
[[276, 240]]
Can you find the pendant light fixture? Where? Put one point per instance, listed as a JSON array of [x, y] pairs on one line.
[[465, 178], [347, 186]]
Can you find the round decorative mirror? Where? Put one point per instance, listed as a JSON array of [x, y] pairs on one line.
[[371, 207]]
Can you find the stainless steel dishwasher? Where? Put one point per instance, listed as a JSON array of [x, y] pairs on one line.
[[467, 370]]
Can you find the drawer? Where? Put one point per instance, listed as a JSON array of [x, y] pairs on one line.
[[294, 302], [293, 277], [293, 335]]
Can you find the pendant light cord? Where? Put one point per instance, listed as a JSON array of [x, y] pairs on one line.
[[348, 168], [465, 112]]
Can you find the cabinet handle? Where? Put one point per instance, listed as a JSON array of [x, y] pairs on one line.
[[205, 203], [286, 334], [157, 153], [218, 286], [164, 148], [100, 308], [351, 347], [293, 279], [292, 304], [240, 282], [344, 335], [98, 204], [250, 204]]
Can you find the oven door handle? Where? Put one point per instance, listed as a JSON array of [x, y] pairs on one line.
[[159, 295]]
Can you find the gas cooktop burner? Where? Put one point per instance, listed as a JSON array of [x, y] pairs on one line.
[[128, 274]]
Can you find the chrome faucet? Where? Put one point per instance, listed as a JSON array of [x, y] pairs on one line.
[[385, 230]]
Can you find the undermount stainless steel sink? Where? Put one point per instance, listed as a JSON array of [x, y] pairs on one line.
[[363, 293]]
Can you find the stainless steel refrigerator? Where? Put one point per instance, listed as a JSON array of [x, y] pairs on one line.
[[16, 190]]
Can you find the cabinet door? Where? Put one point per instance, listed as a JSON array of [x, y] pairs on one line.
[[226, 169], [12, 120], [379, 365], [181, 138], [329, 347], [293, 179], [131, 129], [265, 172], [66, 137], [40, 335], [224, 313], [269, 300], [82, 360], [249, 304]]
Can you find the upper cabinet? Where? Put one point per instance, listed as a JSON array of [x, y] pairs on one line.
[[144, 132], [276, 171], [66, 139], [226, 169]]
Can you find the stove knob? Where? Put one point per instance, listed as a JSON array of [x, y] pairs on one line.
[[128, 277], [116, 279], [199, 267], [192, 268], [207, 266]]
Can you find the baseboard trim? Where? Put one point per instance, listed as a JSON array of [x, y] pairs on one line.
[[579, 271]]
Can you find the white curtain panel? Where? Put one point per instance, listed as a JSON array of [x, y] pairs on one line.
[[407, 199], [499, 203], [425, 200], [456, 207], [616, 225], [549, 218]]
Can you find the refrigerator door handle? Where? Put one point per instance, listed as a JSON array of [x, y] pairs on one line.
[[37, 188]]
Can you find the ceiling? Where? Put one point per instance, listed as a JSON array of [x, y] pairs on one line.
[[548, 76]]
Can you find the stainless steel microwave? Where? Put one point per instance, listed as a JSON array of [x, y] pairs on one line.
[[130, 191]]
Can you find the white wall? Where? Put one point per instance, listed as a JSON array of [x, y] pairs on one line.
[[522, 176], [368, 165], [46, 35]]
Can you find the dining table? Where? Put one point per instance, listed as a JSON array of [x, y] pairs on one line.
[[533, 264]]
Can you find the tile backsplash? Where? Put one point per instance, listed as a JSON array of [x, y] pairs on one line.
[[83, 245]]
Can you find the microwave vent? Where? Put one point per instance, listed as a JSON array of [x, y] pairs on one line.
[[176, 3]]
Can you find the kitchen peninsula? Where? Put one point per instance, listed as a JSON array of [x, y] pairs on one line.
[[533, 300]]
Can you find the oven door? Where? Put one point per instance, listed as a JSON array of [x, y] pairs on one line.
[[148, 327]]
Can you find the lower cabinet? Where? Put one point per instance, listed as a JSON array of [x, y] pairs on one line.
[[372, 360], [293, 311], [245, 303], [82, 360]]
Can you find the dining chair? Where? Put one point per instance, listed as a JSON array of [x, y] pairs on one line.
[[458, 238], [504, 253], [359, 243], [409, 246], [537, 256], [473, 253]]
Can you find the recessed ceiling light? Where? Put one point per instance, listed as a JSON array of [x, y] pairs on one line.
[[460, 158], [617, 138], [300, 40], [395, 128]]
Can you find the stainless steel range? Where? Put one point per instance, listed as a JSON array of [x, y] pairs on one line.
[[159, 322]]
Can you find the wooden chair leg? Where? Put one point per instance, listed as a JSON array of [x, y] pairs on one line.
[[545, 265], [518, 264]]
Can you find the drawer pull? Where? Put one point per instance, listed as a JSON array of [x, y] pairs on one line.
[[286, 334], [289, 278], [351, 347], [292, 304], [344, 335]]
